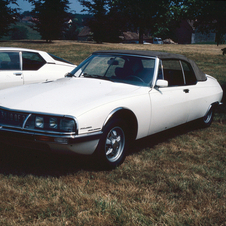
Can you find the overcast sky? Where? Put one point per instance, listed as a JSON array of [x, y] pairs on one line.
[[26, 6]]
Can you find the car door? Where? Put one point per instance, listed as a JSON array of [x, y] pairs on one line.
[[169, 104], [197, 93], [10, 69]]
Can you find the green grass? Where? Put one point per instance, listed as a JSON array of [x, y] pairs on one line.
[[177, 177]]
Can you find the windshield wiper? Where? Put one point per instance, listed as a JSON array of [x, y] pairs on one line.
[[91, 76], [69, 75]]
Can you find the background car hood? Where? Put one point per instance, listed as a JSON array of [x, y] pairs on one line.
[[65, 96]]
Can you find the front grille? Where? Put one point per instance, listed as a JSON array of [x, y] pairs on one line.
[[12, 118]]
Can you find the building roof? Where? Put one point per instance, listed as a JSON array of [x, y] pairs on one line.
[[129, 35]]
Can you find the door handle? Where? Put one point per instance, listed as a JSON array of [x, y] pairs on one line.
[[18, 74], [186, 90]]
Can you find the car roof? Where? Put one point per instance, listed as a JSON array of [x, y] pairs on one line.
[[18, 49], [50, 58], [160, 55], [201, 76]]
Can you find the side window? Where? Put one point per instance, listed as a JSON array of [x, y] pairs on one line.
[[173, 72], [32, 61], [189, 73], [9, 61]]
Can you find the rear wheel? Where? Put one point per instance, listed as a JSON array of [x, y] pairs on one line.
[[111, 150], [208, 118]]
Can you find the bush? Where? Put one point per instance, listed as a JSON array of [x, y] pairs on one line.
[[19, 32]]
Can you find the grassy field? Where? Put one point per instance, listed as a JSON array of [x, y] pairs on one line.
[[177, 177]]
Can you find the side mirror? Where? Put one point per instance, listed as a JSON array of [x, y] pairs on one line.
[[161, 83]]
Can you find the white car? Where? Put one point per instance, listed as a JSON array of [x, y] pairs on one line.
[[109, 100], [23, 66], [157, 41]]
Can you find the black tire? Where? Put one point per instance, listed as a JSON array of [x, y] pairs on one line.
[[207, 120], [112, 147]]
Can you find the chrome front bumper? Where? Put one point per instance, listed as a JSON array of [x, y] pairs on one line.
[[80, 144]]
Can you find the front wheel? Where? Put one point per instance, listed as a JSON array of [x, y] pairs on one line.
[[111, 150]]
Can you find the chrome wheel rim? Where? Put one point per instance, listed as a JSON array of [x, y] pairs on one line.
[[115, 143], [208, 117]]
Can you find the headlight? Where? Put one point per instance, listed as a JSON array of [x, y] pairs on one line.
[[53, 123], [39, 122], [67, 125]]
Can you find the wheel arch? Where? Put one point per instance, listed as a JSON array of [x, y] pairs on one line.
[[214, 105], [128, 117]]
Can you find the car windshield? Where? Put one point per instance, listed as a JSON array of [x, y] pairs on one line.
[[118, 68]]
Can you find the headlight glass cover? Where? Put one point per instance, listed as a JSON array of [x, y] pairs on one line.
[[39, 122], [53, 123], [67, 125], [46, 123]]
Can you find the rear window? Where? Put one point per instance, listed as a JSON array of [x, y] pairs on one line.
[[32, 61], [189, 73], [59, 59]]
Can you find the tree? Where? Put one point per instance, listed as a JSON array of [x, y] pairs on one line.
[[7, 16], [172, 21], [72, 31], [112, 16], [145, 15], [98, 10], [19, 32], [209, 16], [50, 18]]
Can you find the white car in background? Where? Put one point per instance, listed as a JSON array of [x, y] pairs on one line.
[[19, 66], [157, 41], [109, 100]]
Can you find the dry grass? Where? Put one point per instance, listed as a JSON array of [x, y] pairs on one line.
[[177, 177]]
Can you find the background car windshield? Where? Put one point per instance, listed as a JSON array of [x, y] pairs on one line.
[[126, 69]]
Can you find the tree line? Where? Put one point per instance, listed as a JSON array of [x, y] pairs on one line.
[[110, 17]]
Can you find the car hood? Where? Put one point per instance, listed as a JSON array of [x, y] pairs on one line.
[[65, 96]]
